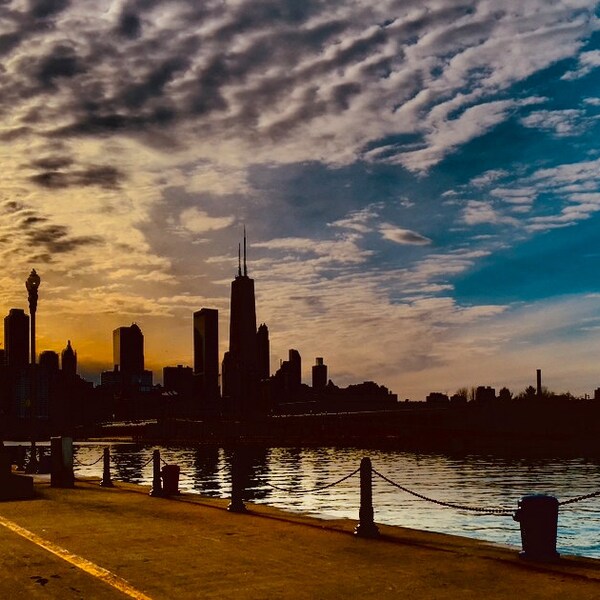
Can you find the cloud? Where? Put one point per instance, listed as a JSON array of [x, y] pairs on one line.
[[105, 176], [587, 62], [562, 123], [478, 212], [403, 236], [195, 220]]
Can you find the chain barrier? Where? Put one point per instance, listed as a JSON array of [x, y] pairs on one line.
[[579, 498], [316, 489], [476, 509], [80, 464]]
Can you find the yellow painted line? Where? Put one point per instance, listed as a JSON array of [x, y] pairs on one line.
[[81, 563]]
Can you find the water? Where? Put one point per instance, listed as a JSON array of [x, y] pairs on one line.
[[474, 480]]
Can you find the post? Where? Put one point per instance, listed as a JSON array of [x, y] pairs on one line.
[[106, 480], [366, 527], [61, 474], [156, 490], [237, 484]]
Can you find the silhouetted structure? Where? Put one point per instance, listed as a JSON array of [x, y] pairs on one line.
[[539, 383], [240, 363], [206, 353], [49, 361], [319, 375], [264, 352], [68, 361], [16, 338], [128, 351]]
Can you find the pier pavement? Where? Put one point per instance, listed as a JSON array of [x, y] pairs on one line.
[[112, 543]]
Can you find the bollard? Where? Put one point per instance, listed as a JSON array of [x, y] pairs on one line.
[[156, 490], [106, 480], [366, 526], [170, 479], [237, 485], [537, 515], [61, 458]]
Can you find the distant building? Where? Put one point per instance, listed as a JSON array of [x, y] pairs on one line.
[[206, 352], [264, 352], [128, 353], [178, 379], [68, 361], [49, 361], [16, 338], [437, 398], [485, 394], [319, 375], [240, 364]]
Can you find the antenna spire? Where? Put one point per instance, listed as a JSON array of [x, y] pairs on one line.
[[239, 261], [245, 267]]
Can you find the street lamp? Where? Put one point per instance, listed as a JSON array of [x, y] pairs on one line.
[[32, 284]]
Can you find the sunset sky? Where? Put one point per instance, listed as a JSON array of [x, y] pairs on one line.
[[419, 181]]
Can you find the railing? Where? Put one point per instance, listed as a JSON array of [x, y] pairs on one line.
[[534, 521]]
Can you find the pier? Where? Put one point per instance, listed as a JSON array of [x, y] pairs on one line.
[[116, 542]]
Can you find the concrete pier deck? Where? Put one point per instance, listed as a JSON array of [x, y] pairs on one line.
[[108, 543]]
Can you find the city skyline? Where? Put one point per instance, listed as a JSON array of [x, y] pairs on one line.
[[419, 182]]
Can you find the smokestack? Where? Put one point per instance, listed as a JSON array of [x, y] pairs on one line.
[[539, 383]]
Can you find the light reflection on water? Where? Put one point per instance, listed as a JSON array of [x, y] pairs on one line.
[[474, 480]]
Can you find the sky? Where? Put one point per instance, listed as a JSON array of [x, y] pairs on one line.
[[419, 181]]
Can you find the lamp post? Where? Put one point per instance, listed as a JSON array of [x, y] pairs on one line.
[[32, 284]]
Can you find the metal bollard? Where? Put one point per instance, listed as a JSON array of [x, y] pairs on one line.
[[237, 485], [538, 517], [106, 480], [366, 526], [156, 490], [61, 472]]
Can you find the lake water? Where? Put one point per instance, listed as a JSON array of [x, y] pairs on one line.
[[483, 481]]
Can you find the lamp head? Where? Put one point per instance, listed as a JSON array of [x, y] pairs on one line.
[[33, 281]]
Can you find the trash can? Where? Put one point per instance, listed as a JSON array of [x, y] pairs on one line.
[[170, 478], [537, 515]]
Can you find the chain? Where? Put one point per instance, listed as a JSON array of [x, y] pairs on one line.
[[489, 511], [316, 489], [80, 464], [580, 498]]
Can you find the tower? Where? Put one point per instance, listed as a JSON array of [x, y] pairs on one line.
[[68, 361], [319, 375], [128, 351], [263, 350], [206, 351], [240, 363], [16, 338]]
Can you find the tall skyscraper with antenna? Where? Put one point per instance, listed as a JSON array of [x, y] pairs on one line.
[[240, 364]]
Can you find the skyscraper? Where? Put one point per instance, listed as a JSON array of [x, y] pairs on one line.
[[240, 363], [264, 350], [68, 361], [16, 338], [206, 351], [128, 350]]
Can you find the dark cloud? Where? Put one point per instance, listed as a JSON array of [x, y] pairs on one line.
[[41, 9], [52, 162], [45, 238], [62, 62], [130, 25], [105, 176]]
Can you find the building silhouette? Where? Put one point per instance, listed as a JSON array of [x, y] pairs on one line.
[[264, 352], [68, 361], [128, 351], [240, 363], [319, 375], [16, 338], [206, 353]]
